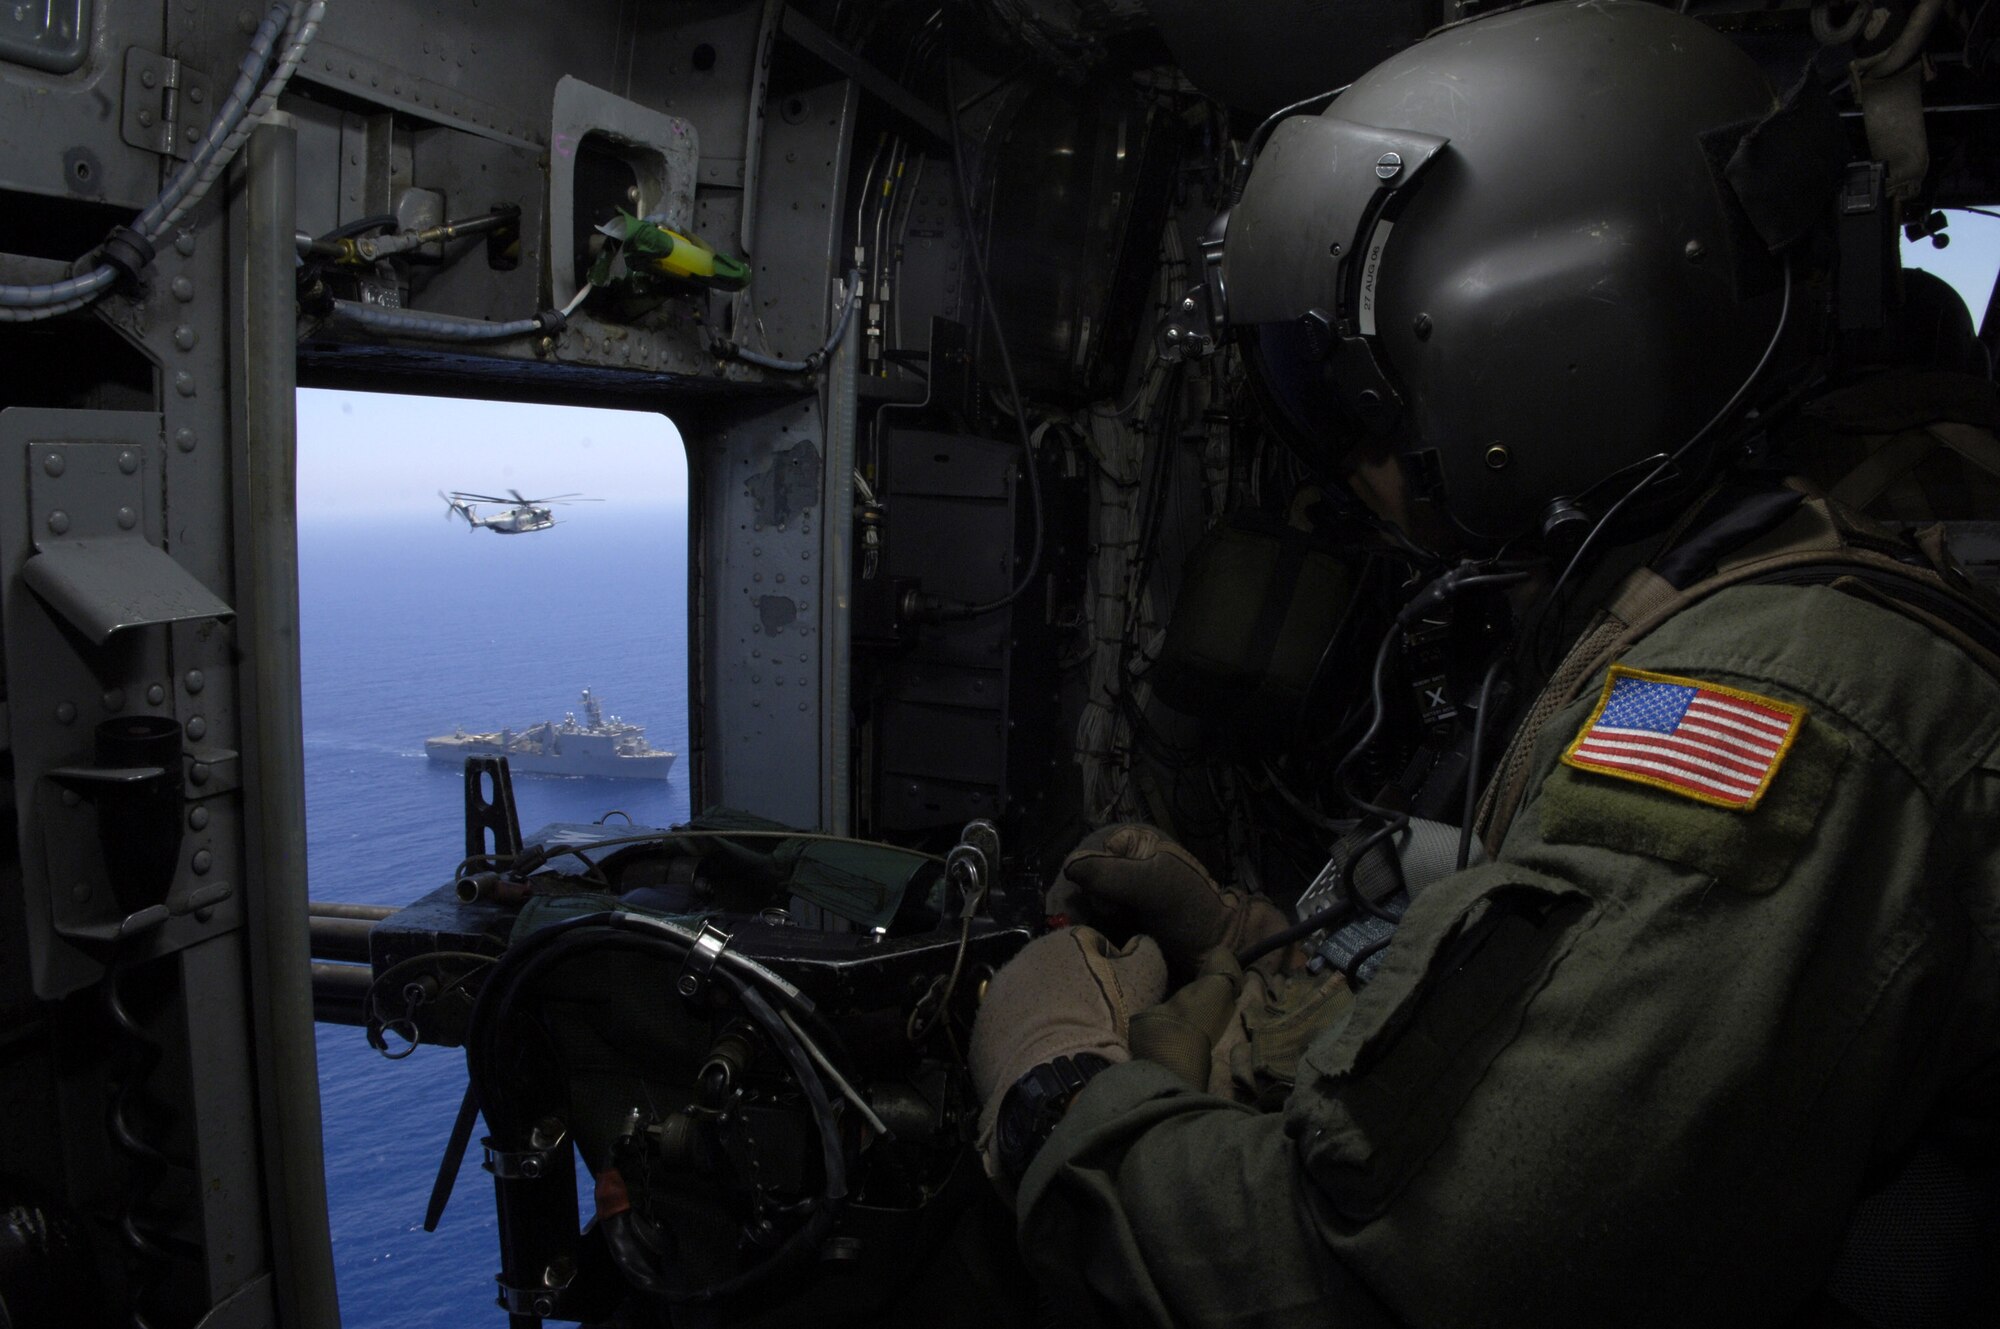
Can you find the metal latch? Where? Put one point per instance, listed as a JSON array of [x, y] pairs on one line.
[[168, 106]]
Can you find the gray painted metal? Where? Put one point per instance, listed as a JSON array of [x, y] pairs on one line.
[[53, 35], [762, 680], [836, 604], [233, 1211], [249, 1307], [759, 661], [267, 548], [167, 105], [812, 37], [96, 566], [59, 134], [61, 687], [663, 151]]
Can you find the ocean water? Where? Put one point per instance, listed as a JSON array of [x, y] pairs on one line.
[[411, 627]]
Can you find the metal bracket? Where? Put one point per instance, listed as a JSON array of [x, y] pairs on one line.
[[167, 105], [537, 1302], [495, 814], [708, 947], [531, 1164], [1187, 332], [95, 565]]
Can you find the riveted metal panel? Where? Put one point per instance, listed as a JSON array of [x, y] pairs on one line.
[[758, 615]]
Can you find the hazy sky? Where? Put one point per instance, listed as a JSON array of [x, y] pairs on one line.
[[367, 452], [1968, 262]]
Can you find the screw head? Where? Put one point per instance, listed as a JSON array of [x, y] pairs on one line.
[[155, 695], [54, 464], [65, 712], [128, 462], [59, 522], [195, 681], [184, 439], [113, 699], [1695, 251], [197, 728], [202, 862], [198, 819], [1422, 327], [1389, 165], [199, 773], [127, 519]]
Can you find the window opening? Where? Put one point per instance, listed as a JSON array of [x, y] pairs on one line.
[[423, 617]]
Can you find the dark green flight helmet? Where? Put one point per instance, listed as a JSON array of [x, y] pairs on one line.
[[1512, 251]]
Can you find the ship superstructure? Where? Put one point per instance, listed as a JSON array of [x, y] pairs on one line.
[[606, 747]]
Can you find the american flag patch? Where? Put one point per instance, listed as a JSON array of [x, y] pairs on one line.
[[1710, 743]]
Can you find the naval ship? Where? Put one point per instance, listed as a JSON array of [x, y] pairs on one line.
[[608, 748]]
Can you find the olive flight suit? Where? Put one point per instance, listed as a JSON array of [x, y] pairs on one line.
[[1638, 1070]]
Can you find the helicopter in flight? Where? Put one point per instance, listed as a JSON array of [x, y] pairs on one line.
[[515, 516]]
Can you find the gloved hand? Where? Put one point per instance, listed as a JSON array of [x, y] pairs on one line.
[[1067, 992], [1181, 1032], [1130, 878]]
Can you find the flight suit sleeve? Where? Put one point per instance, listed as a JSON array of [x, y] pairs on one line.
[[1638, 1071], [1152, 1204]]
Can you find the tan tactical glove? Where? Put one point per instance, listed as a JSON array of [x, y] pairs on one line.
[[1181, 1032], [1130, 878], [1068, 992]]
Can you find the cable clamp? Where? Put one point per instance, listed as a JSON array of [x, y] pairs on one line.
[[709, 944], [529, 1164], [552, 321], [128, 251]]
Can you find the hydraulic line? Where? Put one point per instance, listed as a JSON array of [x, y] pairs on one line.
[[451, 327], [812, 362]]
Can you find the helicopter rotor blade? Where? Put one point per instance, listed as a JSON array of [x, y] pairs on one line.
[[517, 497], [476, 498]]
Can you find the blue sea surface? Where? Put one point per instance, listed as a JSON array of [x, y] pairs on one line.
[[410, 628]]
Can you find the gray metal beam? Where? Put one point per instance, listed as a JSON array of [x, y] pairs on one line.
[[810, 36], [265, 436]]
